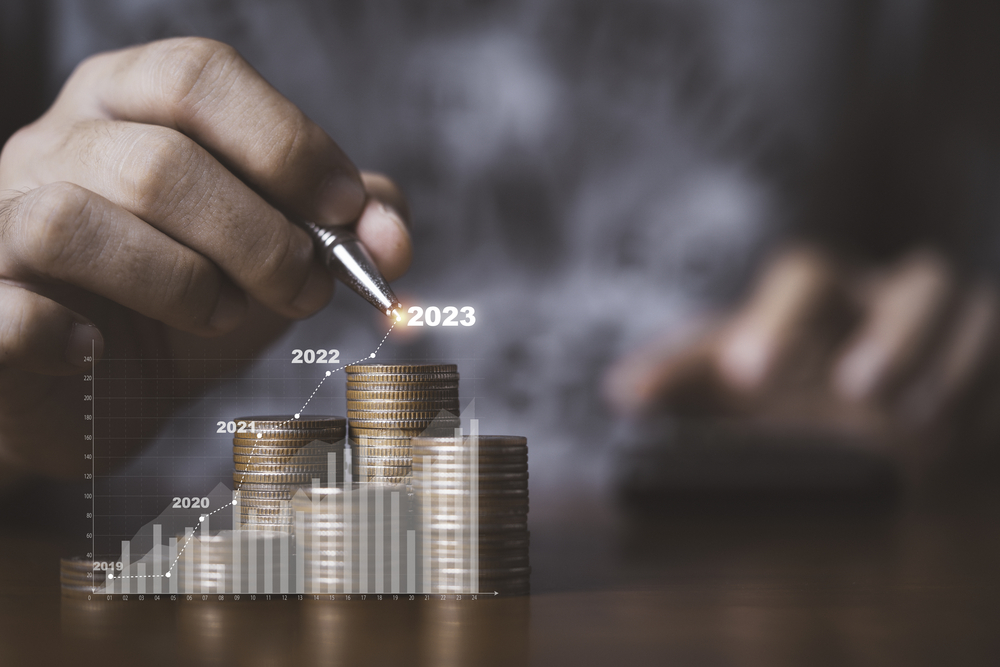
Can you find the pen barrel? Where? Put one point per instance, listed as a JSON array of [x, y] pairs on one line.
[[350, 262]]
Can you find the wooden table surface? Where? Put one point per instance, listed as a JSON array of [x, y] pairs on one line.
[[733, 583]]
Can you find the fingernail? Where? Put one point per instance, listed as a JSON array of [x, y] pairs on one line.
[[341, 198], [858, 372], [229, 309], [388, 215], [85, 341], [315, 293], [744, 358]]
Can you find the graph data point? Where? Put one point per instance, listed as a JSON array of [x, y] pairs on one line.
[[260, 435], [111, 575], [372, 355], [296, 415], [201, 518], [167, 575], [235, 502], [328, 373]]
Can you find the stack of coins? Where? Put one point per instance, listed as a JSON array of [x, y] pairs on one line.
[[389, 404], [78, 578], [277, 455], [472, 494]]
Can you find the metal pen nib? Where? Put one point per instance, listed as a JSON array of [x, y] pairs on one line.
[[341, 250]]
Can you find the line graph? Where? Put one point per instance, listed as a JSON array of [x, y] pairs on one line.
[[327, 374]]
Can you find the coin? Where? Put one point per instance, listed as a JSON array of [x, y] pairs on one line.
[[405, 394], [290, 422], [370, 479], [288, 479], [291, 437], [399, 415], [264, 458], [370, 404], [363, 451], [355, 379], [401, 368]]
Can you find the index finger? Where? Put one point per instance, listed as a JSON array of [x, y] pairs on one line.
[[204, 89]]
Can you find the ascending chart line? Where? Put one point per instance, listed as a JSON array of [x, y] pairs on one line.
[[202, 518]]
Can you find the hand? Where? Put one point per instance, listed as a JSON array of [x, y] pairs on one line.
[[895, 357], [145, 210]]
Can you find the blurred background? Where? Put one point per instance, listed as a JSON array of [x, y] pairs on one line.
[[715, 247]]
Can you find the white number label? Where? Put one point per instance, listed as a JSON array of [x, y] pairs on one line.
[[236, 427], [315, 356], [190, 503], [431, 316], [105, 566]]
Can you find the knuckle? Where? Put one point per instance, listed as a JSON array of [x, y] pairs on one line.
[[158, 170], [192, 67], [57, 225], [289, 143]]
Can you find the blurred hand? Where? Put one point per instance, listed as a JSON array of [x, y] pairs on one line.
[[891, 355], [145, 208]]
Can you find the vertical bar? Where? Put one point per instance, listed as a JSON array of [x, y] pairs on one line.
[[268, 543], [331, 469], [251, 560], [187, 546], [315, 545], [394, 542], [237, 565], [172, 565], [300, 552], [283, 563], [205, 545], [157, 559], [460, 514], [125, 582], [411, 561], [348, 538], [379, 539], [474, 506], [140, 582], [363, 544], [426, 532]]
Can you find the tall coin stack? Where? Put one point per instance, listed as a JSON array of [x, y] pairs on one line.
[[472, 496], [389, 404], [277, 455]]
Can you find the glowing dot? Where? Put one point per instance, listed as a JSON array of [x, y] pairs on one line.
[[328, 373], [296, 415], [111, 575], [201, 518], [372, 355], [235, 502], [167, 575], [260, 435]]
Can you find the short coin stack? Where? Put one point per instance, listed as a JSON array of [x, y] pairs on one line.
[[78, 577], [277, 455], [389, 404], [468, 486]]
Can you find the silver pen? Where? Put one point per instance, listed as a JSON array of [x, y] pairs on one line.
[[341, 250]]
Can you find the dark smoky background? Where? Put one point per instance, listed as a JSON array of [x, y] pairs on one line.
[[587, 175]]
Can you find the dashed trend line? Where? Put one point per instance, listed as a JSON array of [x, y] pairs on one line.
[[253, 452]]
